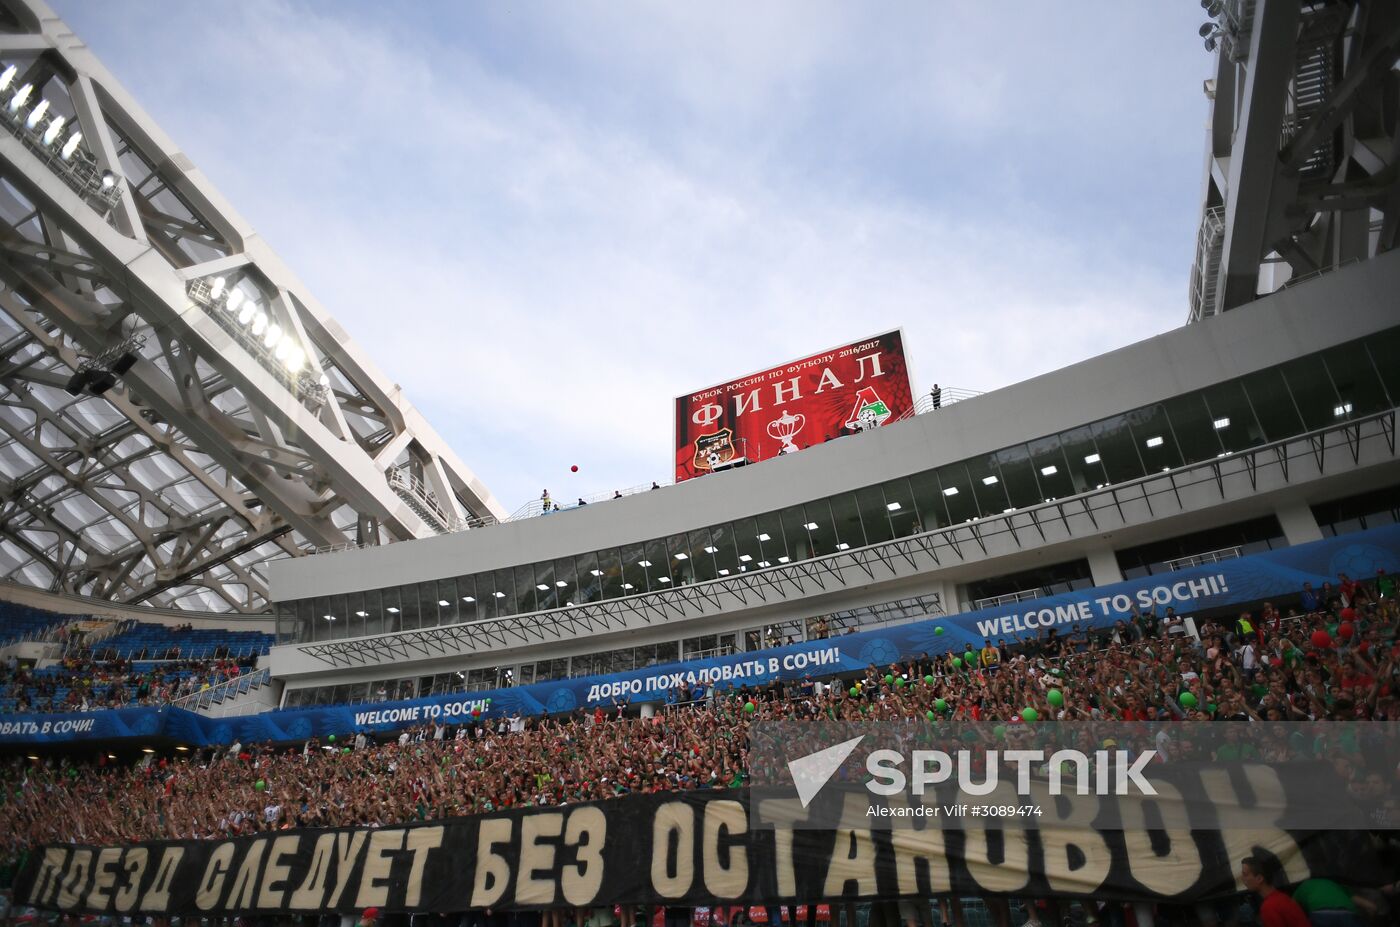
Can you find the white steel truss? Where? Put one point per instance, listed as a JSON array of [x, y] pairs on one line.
[[235, 421]]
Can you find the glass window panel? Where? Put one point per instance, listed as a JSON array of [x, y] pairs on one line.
[[355, 613], [702, 557], [306, 621], [680, 556], [466, 598], [659, 573], [1118, 453], [1051, 468], [667, 652], [1083, 459], [820, 526], [564, 573], [986, 485], [1313, 392], [903, 513], [524, 601], [745, 532], [1153, 435], [1017, 476], [373, 604], [957, 493], [610, 563], [1195, 431], [634, 576], [771, 525], [590, 580], [1384, 348], [408, 601], [1358, 384], [928, 497], [1273, 405], [393, 610], [726, 554], [1229, 408], [846, 516], [873, 515], [502, 592], [548, 597], [428, 604], [799, 544]]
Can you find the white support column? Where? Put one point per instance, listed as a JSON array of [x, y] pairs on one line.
[[1299, 525], [1103, 566]]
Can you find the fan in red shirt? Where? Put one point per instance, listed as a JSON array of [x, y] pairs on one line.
[[1276, 908]]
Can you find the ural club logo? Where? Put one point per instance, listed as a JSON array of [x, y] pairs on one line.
[[870, 410], [714, 450]]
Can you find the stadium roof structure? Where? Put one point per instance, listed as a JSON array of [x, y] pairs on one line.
[[175, 408]]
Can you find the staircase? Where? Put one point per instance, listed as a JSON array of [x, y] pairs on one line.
[[249, 693]]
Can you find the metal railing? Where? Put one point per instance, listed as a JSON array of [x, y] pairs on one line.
[[1010, 598], [1205, 273], [1210, 556], [227, 689]]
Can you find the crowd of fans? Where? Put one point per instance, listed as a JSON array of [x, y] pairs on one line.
[[82, 682], [1340, 660]]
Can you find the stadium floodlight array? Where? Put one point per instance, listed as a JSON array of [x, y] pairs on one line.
[[275, 347], [43, 133]]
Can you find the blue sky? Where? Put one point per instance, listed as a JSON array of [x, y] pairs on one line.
[[546, 220]]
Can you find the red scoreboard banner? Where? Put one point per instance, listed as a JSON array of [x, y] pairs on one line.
[[852, 388]]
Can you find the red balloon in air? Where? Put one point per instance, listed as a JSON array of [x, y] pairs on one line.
[[574, 468], [1321, 639], [1345, 630], [1348, 614]]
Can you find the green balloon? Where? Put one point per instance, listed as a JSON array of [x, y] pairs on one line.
[[999, 731], [1188, 700], [957, 662], [929, 715], [889, 678], [331, 738], [1030, 715], [928, 680], [344, 749], [259, 785], [1210, 707], [938, 631], [941, 704], [750, 708], [1055, 697], [854, 692], [1057, 672], [899, 683]]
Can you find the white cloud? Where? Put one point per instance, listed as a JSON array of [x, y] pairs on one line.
[[545, 256]]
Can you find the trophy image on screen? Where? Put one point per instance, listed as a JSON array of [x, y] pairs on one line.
[[785, 427]]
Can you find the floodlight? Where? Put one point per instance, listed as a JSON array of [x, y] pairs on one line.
[[54, 130], [8, 76], [36, 114], [245, 315], [273, 336], [235, 298], [70, 146], [21, 97], [259, 323], [217, 289]]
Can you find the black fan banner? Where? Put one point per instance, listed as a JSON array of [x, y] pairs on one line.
[[687, 849]]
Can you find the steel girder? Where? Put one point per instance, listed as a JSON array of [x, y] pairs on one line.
[[1303, 160], [1085, 515], [206, 459]]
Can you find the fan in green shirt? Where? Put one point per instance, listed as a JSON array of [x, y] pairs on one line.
[[1323, 895]]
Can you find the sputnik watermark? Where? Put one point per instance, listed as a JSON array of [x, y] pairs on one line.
[[1110, 772]]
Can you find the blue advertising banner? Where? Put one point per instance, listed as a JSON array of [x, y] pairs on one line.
[[1246, 579]]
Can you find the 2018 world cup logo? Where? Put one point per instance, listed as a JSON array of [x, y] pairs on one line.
[[784, 428]]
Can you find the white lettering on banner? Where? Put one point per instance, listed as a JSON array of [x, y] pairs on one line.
[[828, 381], [794, 389], [707, 415], [747, 402], [874, 366], [1102, 606], [712, 675]]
